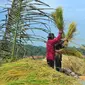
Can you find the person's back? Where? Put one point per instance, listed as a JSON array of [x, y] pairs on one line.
[[50, 50]]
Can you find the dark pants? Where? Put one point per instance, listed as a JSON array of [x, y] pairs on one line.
[[58, 62], [50, 63]]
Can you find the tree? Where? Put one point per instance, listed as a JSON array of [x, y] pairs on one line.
[[22, 17]]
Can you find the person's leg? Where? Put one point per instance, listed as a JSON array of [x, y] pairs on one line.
[[58, 62], [50, 63]]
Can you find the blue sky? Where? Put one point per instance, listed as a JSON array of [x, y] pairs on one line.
[[74, 10], [3, 2]]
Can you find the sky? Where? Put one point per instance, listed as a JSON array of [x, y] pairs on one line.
[[73, 10]]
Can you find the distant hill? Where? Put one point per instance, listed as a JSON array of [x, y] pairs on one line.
[[35, 50]]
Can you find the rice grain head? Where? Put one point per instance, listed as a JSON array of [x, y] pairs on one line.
[[58, 18], [70, 33]]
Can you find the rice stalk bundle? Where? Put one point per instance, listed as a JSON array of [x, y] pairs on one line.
[[72, 51], [70, 33], [58, 18]]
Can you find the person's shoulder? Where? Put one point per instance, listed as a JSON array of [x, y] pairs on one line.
[[50, 41]]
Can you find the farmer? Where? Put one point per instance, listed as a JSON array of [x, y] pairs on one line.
[[50, 51]]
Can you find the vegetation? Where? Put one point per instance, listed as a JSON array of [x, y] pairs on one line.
[[72, 51], [18, 24], [28, 51], [35, 50], [74, 63], [32, 72], [22, 17], [70, 33], [58, 18], [82, 50]]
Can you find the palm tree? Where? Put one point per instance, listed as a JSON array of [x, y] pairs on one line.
[[22, 16]]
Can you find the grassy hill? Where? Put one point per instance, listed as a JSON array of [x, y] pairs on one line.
[[33, 72]]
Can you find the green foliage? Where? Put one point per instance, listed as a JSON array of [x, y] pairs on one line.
[[21, 51], [18, 22], [35, 50]]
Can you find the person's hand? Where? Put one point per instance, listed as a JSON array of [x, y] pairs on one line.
[[65, 39], [58, 51], [60, 31]]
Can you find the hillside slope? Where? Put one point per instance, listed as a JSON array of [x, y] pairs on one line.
[[32, 72]]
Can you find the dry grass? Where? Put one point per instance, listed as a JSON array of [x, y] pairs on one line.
[[74, 63], [32, 72]]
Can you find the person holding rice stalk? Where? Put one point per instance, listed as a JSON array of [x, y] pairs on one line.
[[61, 46], [54, 60], [59, 22], [50, 51]]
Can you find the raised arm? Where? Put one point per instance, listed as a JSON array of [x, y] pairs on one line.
[[58, 38]]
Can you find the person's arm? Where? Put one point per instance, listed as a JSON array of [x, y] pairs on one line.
[[58, 51], [58, 38]]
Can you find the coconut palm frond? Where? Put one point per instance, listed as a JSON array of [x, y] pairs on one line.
[[42, 3]]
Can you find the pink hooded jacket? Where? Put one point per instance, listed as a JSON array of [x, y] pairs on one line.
[[50, 52]]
